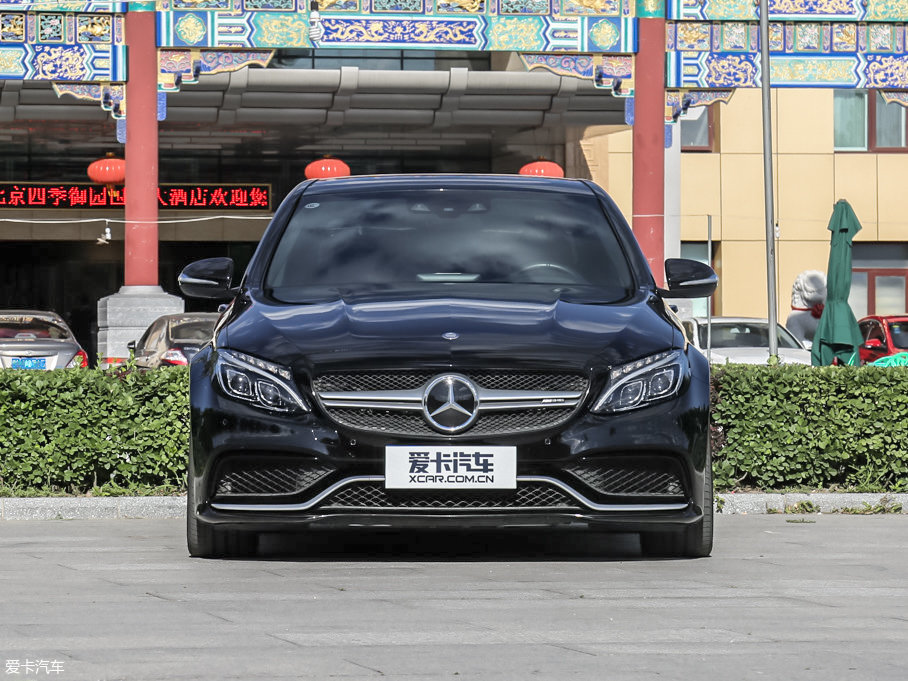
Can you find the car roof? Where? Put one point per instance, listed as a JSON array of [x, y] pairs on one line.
[[886, 317], [41, 314], [449, 181]]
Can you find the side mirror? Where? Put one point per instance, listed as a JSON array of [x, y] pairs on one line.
[[210, 278], [874, 344], [131, 346], [688, 279]]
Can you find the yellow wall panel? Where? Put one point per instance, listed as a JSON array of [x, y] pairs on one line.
[[696, 228], [742, 197], [893, 231], [741, 123], [855, 181], [701, 192], [892, 188], [743, 278], [800, 133], [805, 195], [622, 141], [621, 182]]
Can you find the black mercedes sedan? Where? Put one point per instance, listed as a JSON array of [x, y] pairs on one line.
[[448, 351]]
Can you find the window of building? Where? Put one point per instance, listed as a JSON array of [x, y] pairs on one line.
[[864, 121], [697, 129], [879, 279], [699, 251]]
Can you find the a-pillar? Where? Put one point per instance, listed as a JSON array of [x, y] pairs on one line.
[[648, 203], [124, 316]]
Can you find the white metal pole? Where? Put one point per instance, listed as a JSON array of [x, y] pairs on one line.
[[767, 180], [709, 301]]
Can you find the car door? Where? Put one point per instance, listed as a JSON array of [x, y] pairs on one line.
[[148, 347]]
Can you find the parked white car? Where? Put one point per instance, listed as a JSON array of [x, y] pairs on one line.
[[743, 340]]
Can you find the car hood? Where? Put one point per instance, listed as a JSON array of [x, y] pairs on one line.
[[441, 332], [758, 356]]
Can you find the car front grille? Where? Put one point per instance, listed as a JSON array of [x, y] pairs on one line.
[[248, 477], [392, 403], [413, 380], [655, 477], [366, 496], [493, 423]]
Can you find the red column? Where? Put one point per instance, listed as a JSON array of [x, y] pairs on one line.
[[141, 254], [649, 144]]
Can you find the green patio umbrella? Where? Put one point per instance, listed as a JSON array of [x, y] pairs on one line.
[[838, 335]]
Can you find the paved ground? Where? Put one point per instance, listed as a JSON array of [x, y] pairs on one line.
[[783, 597]]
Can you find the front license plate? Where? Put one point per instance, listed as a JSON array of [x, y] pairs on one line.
[[28, 363], [446, 467]]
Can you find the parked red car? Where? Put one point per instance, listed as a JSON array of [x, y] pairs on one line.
[[883, 335]]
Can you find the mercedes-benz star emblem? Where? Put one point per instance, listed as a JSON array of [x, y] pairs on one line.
[[450, 403]]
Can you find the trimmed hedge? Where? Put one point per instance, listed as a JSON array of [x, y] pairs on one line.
[[798, 426], [122, 431], [81, 429]]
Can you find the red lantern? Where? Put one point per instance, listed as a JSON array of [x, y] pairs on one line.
[[326, 167], [542, 168], [109, 171]]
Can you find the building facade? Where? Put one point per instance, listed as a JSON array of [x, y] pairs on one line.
[[823, 151]]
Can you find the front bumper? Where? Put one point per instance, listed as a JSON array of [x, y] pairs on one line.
[[665, 442]]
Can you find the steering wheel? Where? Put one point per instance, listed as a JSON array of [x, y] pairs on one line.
[[563, 274]]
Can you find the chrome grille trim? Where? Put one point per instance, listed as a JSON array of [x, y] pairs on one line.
[[413, 424], [383, 380], [306, 505], [505, 402], [411, 400]]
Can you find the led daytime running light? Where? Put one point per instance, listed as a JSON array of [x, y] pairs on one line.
[[274, 369]]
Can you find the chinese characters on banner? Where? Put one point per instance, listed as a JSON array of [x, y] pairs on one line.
[[182, 196]]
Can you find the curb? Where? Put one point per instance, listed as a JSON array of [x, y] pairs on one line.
[[818, 502], [91, 508], [112, 508]]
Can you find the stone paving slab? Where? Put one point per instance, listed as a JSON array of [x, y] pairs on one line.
[[102, 508]]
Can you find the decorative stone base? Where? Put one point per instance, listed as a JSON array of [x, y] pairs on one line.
[[124, 316]]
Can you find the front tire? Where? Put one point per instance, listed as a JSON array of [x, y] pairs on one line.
[[204, 541]]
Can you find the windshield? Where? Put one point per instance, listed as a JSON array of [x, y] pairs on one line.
[[425, 237], [745, 335], [193, 331], [31, 328], [899, 333]]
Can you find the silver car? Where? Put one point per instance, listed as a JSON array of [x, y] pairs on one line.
[[743, 340], [32, 339]]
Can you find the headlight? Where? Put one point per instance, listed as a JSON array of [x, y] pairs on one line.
[[638, 384], [260, 383]]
